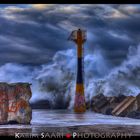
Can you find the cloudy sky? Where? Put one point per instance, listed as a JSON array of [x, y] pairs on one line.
[[32, 34]]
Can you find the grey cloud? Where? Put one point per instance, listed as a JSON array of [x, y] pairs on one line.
[[44, 32]]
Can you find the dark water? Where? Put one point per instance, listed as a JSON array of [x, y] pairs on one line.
[[48, 120]]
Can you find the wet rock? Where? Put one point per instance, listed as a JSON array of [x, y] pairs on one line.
[[13, 122], [109, 111], [87, 105], [119, 99], [134, 114], [99, 102], [42, 104], [122, 106]]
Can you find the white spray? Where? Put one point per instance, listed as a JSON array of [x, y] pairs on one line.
[[55, 82]]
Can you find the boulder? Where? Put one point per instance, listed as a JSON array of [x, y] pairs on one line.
[[134, 114], [41, 104], [123, 106], [14, 103]]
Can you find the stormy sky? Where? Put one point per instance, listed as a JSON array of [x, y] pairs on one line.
[[32, 33]]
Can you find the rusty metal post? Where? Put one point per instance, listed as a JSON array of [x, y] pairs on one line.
[[79, 37]]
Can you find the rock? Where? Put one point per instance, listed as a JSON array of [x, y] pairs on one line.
[[42, 104], [108, 111], [14, 103], [3, 103], [127, 105], [134, 114], [87, 105], [99, 103], [123, 106], [119, 99]]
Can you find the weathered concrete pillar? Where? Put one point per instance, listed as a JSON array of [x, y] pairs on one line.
[[15, 107], [3, 103]]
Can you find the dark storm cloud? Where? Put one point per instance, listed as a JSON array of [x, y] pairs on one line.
[[32, 35]]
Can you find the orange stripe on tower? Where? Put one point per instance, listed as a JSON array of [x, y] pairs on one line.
[[79, 103]]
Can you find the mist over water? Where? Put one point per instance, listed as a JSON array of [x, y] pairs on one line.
[[55, 81]]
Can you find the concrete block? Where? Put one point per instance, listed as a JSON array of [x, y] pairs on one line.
[[14, 105]]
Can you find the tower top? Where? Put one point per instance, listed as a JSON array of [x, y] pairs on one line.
[[76, 34]]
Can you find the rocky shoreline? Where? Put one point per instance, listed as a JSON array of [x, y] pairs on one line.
[[123, 106]]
